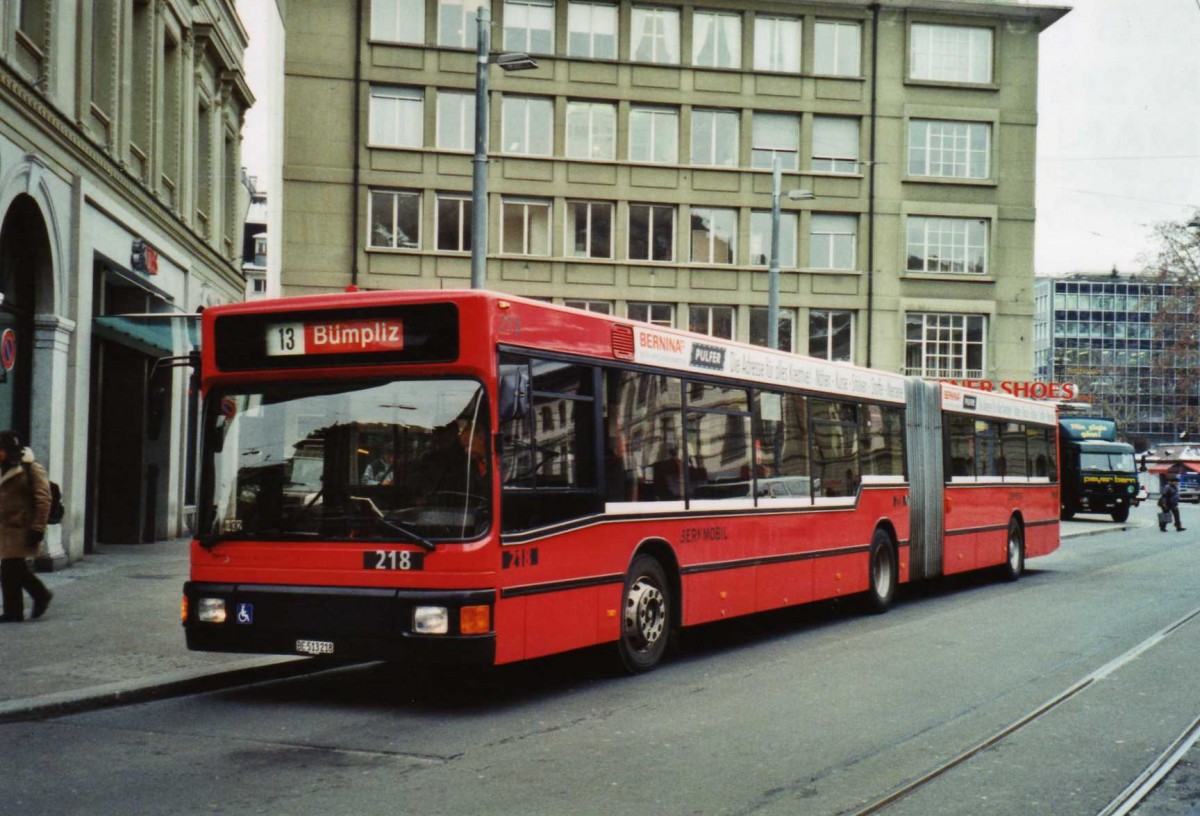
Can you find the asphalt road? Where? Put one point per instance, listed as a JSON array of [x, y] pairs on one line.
[[817, 711]]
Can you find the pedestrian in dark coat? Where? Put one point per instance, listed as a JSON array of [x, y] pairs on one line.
[[1168, 502], [24, 509]]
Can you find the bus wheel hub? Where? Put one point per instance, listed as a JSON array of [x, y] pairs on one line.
[[645, 612]]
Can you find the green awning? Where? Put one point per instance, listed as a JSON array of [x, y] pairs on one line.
[[157, 335]]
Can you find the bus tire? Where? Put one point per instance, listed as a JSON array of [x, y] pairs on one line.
[[1121, 514], [645, 616], [1014, 561], [882, 573]]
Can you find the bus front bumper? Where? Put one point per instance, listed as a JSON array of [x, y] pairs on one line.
[[351, 623]]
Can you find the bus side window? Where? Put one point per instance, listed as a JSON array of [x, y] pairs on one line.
[[960, 433], [835, 447]]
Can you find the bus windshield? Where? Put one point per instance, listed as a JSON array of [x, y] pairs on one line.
[[1107, 462], [397, 461]]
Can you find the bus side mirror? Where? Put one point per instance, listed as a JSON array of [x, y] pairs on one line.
[[513, 396]]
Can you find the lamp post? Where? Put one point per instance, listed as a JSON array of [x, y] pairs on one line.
[[479, 192], [773, 264]]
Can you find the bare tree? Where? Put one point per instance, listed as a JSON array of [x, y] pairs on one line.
[[1175, 261]]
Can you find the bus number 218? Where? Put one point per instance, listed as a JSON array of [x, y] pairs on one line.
[[403, 560]]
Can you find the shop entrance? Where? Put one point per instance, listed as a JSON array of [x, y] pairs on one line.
[[24, 259]]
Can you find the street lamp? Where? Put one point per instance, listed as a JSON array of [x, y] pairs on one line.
[[479, 194], [773, 265]]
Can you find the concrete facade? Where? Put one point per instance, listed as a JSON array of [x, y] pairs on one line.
[[120, 130], [912, 124]]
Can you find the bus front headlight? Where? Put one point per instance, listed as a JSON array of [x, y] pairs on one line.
[[212, 610], [431, 620]]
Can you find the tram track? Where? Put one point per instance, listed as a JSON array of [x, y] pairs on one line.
[[1128, 799]]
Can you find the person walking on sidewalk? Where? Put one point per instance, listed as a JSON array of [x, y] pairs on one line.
[[24, 509], [1168, 502]]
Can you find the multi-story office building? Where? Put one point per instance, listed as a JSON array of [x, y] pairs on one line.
[[1106, 333], [631, 171], [119, 163], [254, 241]]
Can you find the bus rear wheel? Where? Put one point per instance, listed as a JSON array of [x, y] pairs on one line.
[[645, 616], [1014, 562], [883, 573]]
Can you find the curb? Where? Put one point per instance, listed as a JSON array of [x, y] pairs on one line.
[[257, 670]]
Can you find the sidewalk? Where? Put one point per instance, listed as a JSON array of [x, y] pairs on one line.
[[113, 634]]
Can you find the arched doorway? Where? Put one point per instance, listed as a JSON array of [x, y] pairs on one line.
[[24, 259]]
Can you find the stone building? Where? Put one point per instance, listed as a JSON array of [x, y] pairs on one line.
[[630, 172], [120, 126]]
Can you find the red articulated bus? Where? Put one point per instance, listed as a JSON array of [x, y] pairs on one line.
[[474, 477]]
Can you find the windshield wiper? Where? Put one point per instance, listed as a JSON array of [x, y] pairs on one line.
[[420, 541]]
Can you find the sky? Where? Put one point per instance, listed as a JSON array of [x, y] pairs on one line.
[[1118, 128], [1118, 131]]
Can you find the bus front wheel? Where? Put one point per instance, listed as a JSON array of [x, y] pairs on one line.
[[645, 616], [883, 573]]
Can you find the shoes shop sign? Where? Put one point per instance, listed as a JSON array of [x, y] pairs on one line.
[[1030, 389]]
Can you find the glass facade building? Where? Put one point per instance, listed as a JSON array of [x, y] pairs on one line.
[[1108, 335]]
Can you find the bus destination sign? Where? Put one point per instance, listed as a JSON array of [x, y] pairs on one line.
[[334, 337]]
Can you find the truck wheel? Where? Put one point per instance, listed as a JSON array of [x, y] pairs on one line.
[[1067, 514], [1121, 514]]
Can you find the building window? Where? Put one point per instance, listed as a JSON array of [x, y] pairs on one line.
[[654, 135], [455, 120], [716, 40], [456, 23], [597, 306], [758, 327], [526, 227], [714, 138], [589, 229], [760, 238], [398, 20], [105, 71], [835, 144], [713, 235], [258, 285], [776, 134], [651, 232], [397, 117], [453, 223], [833, 242], [944, 346], [592, 30], [957, 245], [655, 35], [528, 125], [831, 335], [837, 48], [591, 130], [715, 321], [395, 220], [529, 26], [949, 149], [657, 314], [777, 44], [950, 53]]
